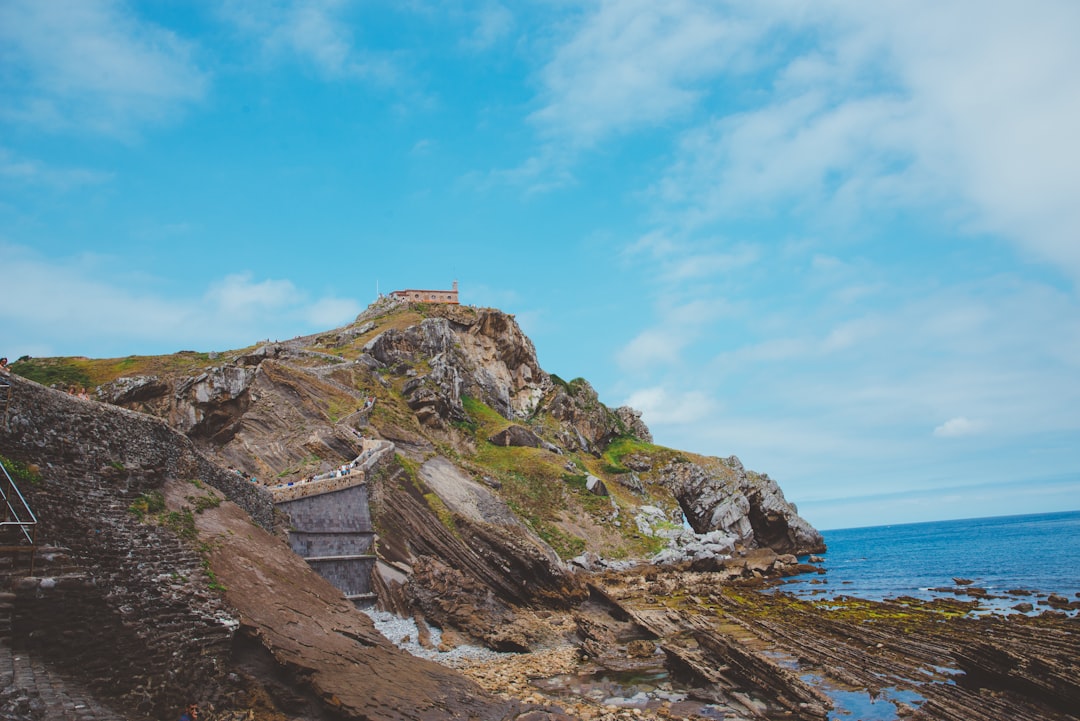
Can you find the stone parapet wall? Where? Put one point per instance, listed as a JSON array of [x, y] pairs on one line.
[[343, 511], [375, 453], [43, 422]]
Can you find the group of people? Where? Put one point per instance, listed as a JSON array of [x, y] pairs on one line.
[[341, 471], [78, 392], [243, 475]]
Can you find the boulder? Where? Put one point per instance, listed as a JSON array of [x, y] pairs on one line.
[[516, 436], [595, 486]]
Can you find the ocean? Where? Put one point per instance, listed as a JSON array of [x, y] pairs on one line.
[[1037, 553]]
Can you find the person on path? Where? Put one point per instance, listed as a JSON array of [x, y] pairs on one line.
[[191, 713]]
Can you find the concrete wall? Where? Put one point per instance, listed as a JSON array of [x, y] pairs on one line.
[[335, 526], [352, 576], [313, 544]]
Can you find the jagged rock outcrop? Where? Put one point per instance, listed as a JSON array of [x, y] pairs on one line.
[[723, 496], [482, 354], [631, 419], [472, 564], [588, 425]]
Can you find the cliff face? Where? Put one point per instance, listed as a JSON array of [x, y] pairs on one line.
[[156, 591], [502, 468]]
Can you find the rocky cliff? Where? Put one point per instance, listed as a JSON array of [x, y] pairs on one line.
[[160, 584], [503, 474]]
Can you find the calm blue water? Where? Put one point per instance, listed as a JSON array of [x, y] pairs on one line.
[[1036, 552]]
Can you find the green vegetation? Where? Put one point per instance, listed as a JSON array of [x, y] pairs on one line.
[[412, 471], [446, 517], [181, 522], [212, 580], [91, 372], [592, 503], [564, 544], [201, 503], [53, 371], [149, 503], [20, 472], [624, 446], [483, 419]]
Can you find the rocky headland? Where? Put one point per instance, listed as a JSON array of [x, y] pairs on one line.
[[516, 516]]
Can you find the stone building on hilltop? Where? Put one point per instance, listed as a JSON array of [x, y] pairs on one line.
[[428, 296]]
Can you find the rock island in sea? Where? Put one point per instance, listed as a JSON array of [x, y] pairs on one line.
[[548, 560]]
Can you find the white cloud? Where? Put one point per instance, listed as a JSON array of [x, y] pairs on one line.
[[633, 63], [123, 315], [92, 65], [493, 22], [34, 172], [658, 405], [840, 400], [651, 347], [837, 112], [237, 296], [331, 312], [318, 32], [907, 107], [662, 345], [958, 427]]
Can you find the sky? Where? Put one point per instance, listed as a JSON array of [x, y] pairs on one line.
[[837, 239]]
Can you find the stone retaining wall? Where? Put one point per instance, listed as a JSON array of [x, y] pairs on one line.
[[330, 524], [133, 617]]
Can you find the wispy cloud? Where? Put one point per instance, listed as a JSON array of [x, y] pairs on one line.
[[632, 63], [92, 66], [876, 108], [321, 33], [34, 172], [133, 314], [806, 393], [662, 406], [492, 23], [957, 427]]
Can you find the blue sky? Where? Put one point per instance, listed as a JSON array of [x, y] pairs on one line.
[[836, 239]]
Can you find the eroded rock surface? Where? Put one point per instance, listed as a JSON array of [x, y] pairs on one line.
[[720, 495]]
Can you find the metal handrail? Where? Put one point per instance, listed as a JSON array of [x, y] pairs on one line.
[[13, 511]]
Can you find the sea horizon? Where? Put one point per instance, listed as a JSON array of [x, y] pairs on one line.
[[1001, 561], [900, 524]]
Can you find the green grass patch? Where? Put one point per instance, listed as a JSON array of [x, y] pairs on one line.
[[444, 514], [149, 503], [484, 420], [53, 371], [212, 580], [563, 543], [624, 446], [181, 522], [90, 372], [20, 472], [202, 503]]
